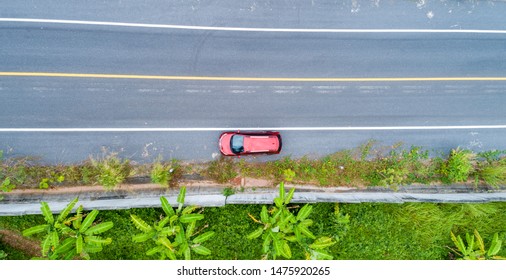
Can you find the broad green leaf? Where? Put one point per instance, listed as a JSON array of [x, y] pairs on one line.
[[187, 254], [48, 215], [278, 201], [78, 218], [322, 242], [189, 209], [35, 229], [470, 243], [190, 228], [320, 255], [304, 212], [256, 233], [278, 247], [168, 231], [79, 244], [171, 255], [305, 231], [163, 222], [298, 234], [281, 192], [180, 237], [306, 222], [284, 220], [90, 218], [495, 246], [66, 211], [66, 245], [203, 237], [46, 245], [201, 250], [154, 250], [266, 244], [140, 224], [458, 244], [169, 211], [95, 240], [188, 218], [264, 215], [65, 230], [291, 238], [481, 245], [70, 255], [92, 248], [165, 242], [55, 239], [285, 250], [182, 194], [143, 237], [289, 196], [100, 228]]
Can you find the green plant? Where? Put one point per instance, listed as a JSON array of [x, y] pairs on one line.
[[457, 167], [288, 174], [493, 175], [163, 174], [111, 170], [68, 237], [3, 255], [280, 227], [6, 186], [228, 191], [175, 235], [475, 248]]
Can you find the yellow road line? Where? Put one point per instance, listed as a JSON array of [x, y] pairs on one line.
[[247, 79]]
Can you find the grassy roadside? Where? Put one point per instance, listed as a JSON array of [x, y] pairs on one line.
[[365, 166], [375, 231]]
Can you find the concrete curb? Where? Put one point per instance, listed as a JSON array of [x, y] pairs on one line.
[[148, 196]]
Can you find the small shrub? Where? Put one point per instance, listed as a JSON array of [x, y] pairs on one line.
[[457, 167], [6, 186], [163, 174], [111, 171], [288, 174], [228, 192]]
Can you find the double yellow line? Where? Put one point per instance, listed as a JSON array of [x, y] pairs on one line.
[[245, 79]]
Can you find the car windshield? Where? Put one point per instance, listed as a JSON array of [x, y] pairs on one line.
[[237, 144]]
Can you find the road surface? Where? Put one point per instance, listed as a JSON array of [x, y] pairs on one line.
[[432, 75]]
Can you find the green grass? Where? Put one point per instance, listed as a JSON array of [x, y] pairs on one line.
[[376, 231]]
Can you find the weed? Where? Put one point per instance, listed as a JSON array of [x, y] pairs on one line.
[[164, 174], [457, 167], [111, 170], [288, 175], [228, 192], [493, 174]]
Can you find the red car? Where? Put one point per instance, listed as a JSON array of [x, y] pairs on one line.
[[247, 143]]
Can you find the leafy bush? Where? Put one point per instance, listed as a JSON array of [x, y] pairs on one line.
[[279, 227], [164, 174], [176, 235], [457, 167], [111, 171]]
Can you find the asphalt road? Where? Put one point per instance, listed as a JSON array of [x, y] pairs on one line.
[[58, 102]]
